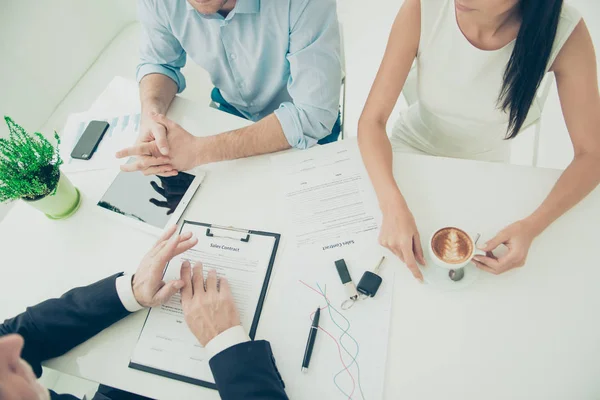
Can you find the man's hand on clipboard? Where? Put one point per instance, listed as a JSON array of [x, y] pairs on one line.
[[149, 288], [208, 306]]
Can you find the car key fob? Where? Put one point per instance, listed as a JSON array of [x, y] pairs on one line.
[[370, 281], [369, 284]]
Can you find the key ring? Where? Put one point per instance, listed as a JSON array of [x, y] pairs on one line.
[[347, 304]]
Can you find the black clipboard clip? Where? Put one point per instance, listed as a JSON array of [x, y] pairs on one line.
[[243, 235]]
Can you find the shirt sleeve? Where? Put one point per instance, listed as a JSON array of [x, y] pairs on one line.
[[227, 339], [160, 51], [315, 73], [125, 293]]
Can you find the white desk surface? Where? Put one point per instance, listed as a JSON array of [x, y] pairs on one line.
[[529, 334]]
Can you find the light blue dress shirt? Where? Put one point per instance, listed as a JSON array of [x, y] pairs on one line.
[[266, 56]]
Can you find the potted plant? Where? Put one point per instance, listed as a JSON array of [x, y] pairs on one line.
[[30, 170]]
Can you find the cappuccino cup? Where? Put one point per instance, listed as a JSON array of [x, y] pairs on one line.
[[452, 248]]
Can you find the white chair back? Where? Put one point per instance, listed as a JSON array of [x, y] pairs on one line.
[[343, 88], [535, 114], [409, 91]]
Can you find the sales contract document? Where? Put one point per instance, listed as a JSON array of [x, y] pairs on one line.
[[332, 214], [166, 345], [326, 195]]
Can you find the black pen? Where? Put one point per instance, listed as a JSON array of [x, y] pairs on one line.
[[311, 340]]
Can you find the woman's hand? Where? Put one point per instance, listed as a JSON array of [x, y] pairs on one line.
[[517, 238], [399, 234]]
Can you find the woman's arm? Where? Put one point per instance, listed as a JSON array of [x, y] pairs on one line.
[[400, 53], [398, 231], [577, 80]]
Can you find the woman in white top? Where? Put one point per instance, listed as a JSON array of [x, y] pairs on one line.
[[480, 64]]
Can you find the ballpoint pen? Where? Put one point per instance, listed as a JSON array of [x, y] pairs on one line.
[[311, 340]]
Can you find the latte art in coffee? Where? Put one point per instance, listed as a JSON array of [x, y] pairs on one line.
[[452, 245]]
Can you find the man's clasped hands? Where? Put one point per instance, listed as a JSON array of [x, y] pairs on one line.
[[164, 148]]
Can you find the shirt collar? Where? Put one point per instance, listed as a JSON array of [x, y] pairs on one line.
[[247, 6], [241, 7]]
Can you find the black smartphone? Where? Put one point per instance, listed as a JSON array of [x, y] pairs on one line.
[[89, 140]]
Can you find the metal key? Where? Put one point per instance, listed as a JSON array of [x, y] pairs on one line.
[[378, 266], [370, 282]]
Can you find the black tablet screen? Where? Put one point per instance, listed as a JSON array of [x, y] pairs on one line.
[[150, 199]]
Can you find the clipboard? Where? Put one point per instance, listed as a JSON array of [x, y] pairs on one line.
[[236, 234], [245, 236]]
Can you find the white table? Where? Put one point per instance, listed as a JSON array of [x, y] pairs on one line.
[[529, 334]]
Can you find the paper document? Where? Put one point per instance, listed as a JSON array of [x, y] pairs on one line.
[[333, 214], [326, 194], [122, 133], [351, 347], [166, 345]]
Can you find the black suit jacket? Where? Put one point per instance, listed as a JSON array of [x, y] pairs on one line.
[[51, 328]]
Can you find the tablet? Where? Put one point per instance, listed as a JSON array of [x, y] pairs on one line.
[[151, 203]]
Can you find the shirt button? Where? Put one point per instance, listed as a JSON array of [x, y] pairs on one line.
[[233, 56]]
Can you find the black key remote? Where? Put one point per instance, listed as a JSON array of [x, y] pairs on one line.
[[370, 281], [369, 284]]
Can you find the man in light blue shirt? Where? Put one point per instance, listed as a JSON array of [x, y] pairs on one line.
[[275, 62]]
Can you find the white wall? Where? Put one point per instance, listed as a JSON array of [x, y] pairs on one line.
[[47, 46]]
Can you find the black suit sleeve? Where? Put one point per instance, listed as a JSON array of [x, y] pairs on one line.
[[55, 326], [248, 371], [55, 396]]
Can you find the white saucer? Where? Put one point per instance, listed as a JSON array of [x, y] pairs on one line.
[[438, 278]]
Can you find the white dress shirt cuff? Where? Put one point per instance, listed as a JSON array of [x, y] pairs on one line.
[[125, 292], [227, 339]]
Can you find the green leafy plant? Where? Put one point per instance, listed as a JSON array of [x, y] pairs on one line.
[[29, 164]]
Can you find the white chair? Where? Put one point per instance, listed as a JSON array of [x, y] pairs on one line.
[[343, 88], [539, 103], [534, 118], [409, 91]]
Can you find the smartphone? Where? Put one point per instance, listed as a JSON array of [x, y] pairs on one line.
[[89, 140]]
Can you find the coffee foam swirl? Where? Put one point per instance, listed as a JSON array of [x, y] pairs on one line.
[[451, 248], [452, 245]]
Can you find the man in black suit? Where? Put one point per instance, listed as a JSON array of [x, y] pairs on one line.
[[243, 369]]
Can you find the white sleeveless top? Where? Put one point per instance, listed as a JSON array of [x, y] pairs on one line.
[[458, 85]]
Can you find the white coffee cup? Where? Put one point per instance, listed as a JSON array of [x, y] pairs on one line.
[[458, 265]]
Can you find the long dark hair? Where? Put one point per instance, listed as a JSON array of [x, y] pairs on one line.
[[529, 60]]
